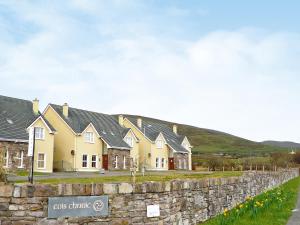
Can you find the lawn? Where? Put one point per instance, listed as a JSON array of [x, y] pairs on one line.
[[139, 178], [23, 173], [270, 208]]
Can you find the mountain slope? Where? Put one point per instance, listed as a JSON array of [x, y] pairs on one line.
[[211, 141], [283, 144]]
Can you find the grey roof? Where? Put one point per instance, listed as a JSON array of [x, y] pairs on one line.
[[16, 115], [152, 129], [107, 127]]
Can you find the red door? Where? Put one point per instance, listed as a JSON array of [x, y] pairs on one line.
[[105, 162], [171, 163]]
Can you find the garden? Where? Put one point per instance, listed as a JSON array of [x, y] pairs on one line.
[[273, 207]]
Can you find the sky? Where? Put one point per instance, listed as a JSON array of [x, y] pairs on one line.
[[231, 66]]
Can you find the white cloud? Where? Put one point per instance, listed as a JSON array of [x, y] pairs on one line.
[[242, 81]]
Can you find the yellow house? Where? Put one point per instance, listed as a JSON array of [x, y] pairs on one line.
[[89, 141], [16, 118], [160, 148]]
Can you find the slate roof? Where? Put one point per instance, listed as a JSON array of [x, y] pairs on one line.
[[107, 127], [152, 129], [16, 115]]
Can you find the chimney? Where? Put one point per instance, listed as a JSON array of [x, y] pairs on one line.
[[35, 106], [175, 129], [121, 120], [139, 122], [66, 110]]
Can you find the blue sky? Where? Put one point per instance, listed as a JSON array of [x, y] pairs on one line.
[[225, 65]]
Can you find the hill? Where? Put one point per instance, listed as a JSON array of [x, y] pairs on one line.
[[283, 144], [212, 141]]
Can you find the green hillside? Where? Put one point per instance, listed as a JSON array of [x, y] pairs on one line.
[[211, 141]]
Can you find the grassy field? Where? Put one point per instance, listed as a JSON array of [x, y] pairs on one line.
[[139, 178], [211, 141], [270, 208]]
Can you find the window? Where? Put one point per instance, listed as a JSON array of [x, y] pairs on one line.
[[116, 162], [41, 164], [39, 133], [124, 162], [89, 137], [179, 163], [129, 141], [84, 161], [162, 162], [6, 158], [157, 163], [159, 143], [20, 158], [94, 161]]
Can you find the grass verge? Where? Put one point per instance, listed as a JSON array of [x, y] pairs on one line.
[[270, 208], [139, 178]]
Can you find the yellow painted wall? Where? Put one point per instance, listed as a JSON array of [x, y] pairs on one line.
[[64, 141], [134, 152], [89, 149], [45, 146], [159, 153]]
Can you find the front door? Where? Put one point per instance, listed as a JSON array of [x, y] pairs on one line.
[[105, 162], [171, 163]]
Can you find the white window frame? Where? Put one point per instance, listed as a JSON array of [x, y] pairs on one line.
[[86, 161], [162, 162], [89, 137], [21, 159], [39, 133], [6, 158], [157, 163], [124, 162], [129, 141], [94, 161], [116, 161], [159, 143], [38, 160]]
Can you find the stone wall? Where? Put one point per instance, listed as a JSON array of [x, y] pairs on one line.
[[181, 161], [112, 153], [14, 151], [181, 201]]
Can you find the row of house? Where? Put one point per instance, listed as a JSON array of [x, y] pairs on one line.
[[71, 139]]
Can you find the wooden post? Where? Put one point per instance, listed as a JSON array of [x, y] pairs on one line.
[[263, 168], [223, 169]]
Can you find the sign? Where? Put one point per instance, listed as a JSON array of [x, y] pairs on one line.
[[31, 141], [77, 206], [153, 211]]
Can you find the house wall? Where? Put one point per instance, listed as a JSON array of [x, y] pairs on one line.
[[13, 151], [112, 153], [159, 153], [144, 146], [134, 152], [83, 147], [64, 142], [44, 146], [178, 159]]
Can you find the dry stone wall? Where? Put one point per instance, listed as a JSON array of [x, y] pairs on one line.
[[180, 201]]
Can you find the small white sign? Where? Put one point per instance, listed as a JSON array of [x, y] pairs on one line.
[[30, 141], [153, 211]]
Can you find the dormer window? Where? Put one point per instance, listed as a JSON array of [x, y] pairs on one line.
[[129, 141], [39, 133], [89, 137]]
